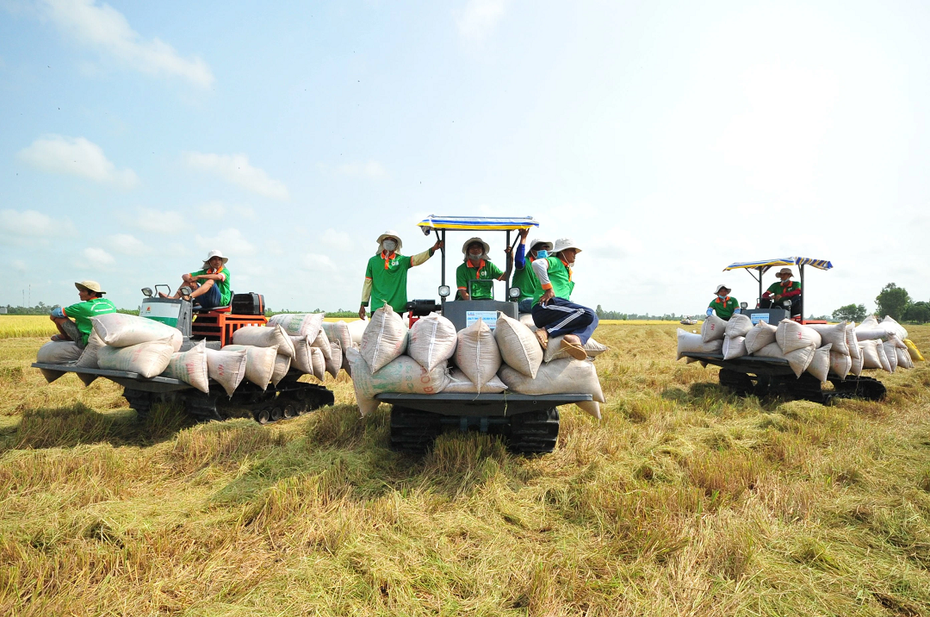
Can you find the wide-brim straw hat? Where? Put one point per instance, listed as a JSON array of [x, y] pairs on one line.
[[391, 234], [215, 253], [93, 286], [487, 247], [565, 243], [785, 271], [721, 286]]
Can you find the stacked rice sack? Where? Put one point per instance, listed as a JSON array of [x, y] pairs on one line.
[[823, 350], [432, 357]]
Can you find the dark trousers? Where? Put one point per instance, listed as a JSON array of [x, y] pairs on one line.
[[561, 317]]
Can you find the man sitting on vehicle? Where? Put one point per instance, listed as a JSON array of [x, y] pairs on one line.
[[724, 305], [92, 304], [478, 268], [524, 278], [210, 285], [786, 289]]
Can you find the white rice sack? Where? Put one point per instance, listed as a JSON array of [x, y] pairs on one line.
[[554, 350], [403, 374], [819, 365], [713, 328], [556, 377], [322, 343], [889, 324], [855, 365], [58, 352], [265, 336], [339, 331], [691, 342], [120, 330], [259, 363], [335, 360], [458, 382], [868, 323], [869, 351], [432, 341], [282, 365], [302, 360], [759, 336], [738, 325], [790, 335], [299, 324], [852, 343], [519, 347], [476, 353], [772, 350], [834, 334], [190, 367], [227, 367], [527, 320], [592, 408], [88, 358], [385, 338], [317, 363], [883, 357], [840, 364], [891, 353], [871, 334], [904, 358], [798, 359], [357, 329], [734, 347], [147, 359]]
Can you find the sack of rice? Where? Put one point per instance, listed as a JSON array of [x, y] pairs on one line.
[[554, 350], [519, 347], [592, 408], [282, 365], [58, 352], [713, 329], [357, 329], [339, 331], [691, 342], [147, 359], [834, 334], [798, 359], [527, 320], [317, 363], [190, 367], [819, 366], [855, 367], [121, 330], [265, 336], [403, 374], [871, 334], [891, 353], [335, 358], [298, 324], [868, 323], [259, 363], [88, 358], [322, 343], [477, 354], [385, 338], [912, 350], [759, 336], [840, 364], [302, 360], [734, 347], [556, 377], [852, 342], [738, 325], [889, 324], [868, 349], [883, 357], [432, 341], [791, 335], [458, 382], [227, 367], [904, 359]]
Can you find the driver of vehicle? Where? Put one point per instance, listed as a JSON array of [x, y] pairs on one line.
[[785, 289], [478, 268]]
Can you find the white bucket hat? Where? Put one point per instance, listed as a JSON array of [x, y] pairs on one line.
[[545, 244], [487, 247], [565, 243], [93, 286], [722, 286], [215, 253], [390, 234]]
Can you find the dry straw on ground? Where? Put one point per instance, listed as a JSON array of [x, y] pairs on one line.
[[683, 500]]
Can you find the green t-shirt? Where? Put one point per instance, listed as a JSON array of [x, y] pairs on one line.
[[778, 288], [83, 311], [223, 286], [724, 308], [388, 284], [486, 273], [561, 278], [527, 281]]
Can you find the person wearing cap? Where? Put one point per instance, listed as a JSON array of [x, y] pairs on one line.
[[210, 284], [386, 274], [554, 314], [524, 278], [73, 322], [723, 304], [478, 268], [785, 289]]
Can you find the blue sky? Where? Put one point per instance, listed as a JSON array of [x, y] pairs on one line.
[[669, 139]]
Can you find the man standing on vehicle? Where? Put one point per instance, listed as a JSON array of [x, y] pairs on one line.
[[554, 314], [523, 277], [92, 304], [786, 289], [386, 274]]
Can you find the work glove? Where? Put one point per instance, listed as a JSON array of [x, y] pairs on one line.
[[710, 312]]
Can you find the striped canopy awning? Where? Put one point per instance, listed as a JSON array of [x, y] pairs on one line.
[[477, 223], [764, 264]]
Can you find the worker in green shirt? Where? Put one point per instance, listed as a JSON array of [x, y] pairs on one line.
[[523, 277], [386, 274], [478, 268], [73, 322], [785, 289], [723, 304], [209, 285]]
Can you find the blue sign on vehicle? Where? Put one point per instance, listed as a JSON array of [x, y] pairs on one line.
[[488, 317], [757, 317]]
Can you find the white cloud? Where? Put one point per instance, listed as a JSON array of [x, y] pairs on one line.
[[157, 221], [75, 156], [479, 18], [236, 169], [126, 244], [230, 241], [107, 30], [337, 240], [371, 169], [19, 265], [315, 262], [26, 223], [217, 209], [97, 257]]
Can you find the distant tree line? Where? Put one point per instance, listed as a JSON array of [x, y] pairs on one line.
[[893, 301]]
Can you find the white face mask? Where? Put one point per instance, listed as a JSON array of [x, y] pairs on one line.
[[389, 245]]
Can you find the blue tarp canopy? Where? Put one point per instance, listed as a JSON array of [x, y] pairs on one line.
[[764, 264], [476, 223]]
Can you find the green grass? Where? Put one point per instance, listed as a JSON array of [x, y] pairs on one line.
[[683, 500]]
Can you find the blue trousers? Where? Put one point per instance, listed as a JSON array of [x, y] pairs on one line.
[[563, 317], [211, 299]]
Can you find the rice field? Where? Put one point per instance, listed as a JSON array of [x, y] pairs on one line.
[[15, 326]]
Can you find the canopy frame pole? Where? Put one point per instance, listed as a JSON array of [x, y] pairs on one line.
[[442, 300]]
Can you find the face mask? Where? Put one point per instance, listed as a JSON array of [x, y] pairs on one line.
[[722, 296], [542, 254], [389, 245]]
